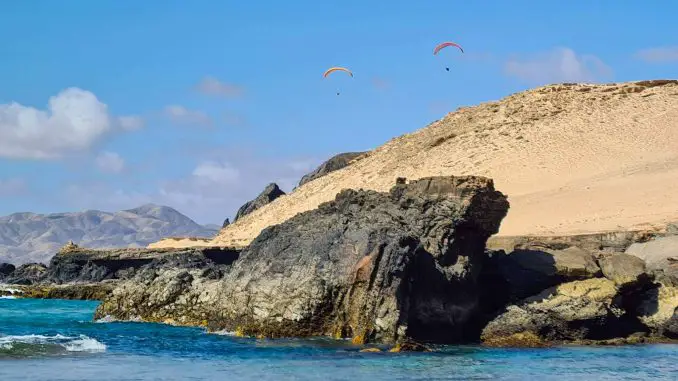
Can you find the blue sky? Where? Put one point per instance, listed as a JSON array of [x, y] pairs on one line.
[[198, 105]]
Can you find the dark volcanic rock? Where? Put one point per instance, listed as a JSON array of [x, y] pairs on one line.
[[581, 310], [27, 274], [270, 193], [376, 267], [335, 163], [530, 270], [226, 223], [6, 269]]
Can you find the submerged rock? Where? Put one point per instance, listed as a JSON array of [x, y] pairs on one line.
[[375, 267], [270, 193]]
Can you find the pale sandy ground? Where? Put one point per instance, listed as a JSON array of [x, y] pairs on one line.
[[571, 158]]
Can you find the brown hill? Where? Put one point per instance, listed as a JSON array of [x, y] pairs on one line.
[[573, 158]]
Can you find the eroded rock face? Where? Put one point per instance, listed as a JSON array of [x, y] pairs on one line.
[[580, 310], [334, 163], [658, 310], [27, 274], [270, 193], [529, 270], [375, 267]]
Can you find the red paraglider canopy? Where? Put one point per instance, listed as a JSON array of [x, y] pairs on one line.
[[446, 44]]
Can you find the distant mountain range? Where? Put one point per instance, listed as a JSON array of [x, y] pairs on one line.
[[30, 237]]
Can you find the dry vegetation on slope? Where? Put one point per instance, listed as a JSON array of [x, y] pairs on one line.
[[572, 158]]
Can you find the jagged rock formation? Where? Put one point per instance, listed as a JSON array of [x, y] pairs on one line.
[[573, 158], [28, 237], [270, 193], [372, 266], [226, 223], [334, 163], [624, 300]]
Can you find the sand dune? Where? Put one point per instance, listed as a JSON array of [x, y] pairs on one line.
[[572, 159]]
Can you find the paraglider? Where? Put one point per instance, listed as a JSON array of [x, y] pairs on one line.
[[337, 68], [439, 47]]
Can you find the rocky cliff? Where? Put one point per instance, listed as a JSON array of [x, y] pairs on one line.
[[374, 267]]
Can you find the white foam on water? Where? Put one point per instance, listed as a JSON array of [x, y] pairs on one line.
[[85, 344], [223, 333], [80, 343]]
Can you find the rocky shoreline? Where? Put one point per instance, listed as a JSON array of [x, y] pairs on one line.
[[411, 267]]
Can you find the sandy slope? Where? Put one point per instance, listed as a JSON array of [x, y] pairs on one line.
[[571, 158]]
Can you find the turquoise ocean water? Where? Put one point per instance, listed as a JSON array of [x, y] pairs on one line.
[[57, 340]]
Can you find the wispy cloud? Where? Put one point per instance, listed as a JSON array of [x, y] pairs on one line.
[[130, 122], [110, 162], [74, 120], [661, 54], [214, 87], [12, 187], [182, 115], [557, 65]]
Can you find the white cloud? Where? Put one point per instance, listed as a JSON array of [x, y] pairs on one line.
[[110, 162], [130, 122], [12, 187], [74, 120], [212, 86], [216, 172], [557, 65], [180, 114], [659, 54]]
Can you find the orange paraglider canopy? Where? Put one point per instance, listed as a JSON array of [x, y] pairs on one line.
[[337, 68], [446, 44]]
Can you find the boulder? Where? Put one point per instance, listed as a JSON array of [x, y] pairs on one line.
[[661, 257], [226, 223], [335, 163], [579, 310], [530, 270], [390, 267], [623, 269], [658, 310], [270, 193]]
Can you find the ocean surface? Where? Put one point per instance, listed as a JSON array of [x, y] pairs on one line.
[[57, 340]]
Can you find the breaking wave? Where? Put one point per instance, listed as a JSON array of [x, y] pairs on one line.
[[40, 345]]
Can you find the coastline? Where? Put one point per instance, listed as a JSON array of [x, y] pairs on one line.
[[593, 292]]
